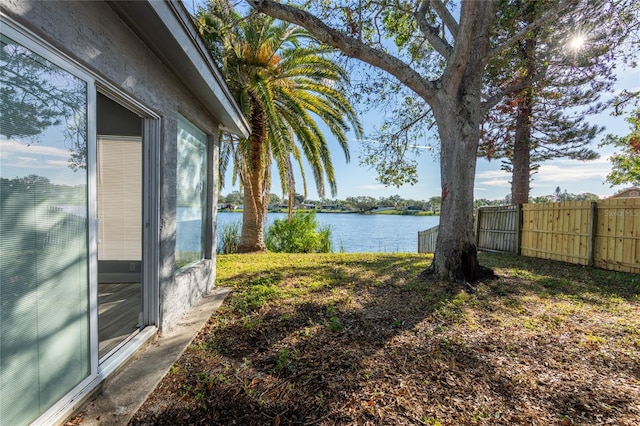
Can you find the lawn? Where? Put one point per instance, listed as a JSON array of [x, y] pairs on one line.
[[361, 339]]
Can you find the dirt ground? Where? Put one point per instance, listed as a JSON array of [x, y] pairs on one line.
[[348, 340]]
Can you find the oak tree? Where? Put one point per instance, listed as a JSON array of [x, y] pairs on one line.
[[441, 53]]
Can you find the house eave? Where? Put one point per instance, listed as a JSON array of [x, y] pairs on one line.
[[166, 27]]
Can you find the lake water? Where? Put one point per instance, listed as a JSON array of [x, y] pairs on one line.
[[357, 233]]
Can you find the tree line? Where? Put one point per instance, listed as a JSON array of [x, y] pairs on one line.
[[364, 203]]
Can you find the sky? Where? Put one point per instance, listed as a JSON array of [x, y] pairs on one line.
[[490, 183]]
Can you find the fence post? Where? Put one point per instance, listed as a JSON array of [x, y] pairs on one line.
[[477, 227], [519, 229], [593, 223]]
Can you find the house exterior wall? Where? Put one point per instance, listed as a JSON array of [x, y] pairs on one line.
[[93, 35]]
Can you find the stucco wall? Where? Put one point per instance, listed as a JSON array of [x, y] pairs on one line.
[[93, 35]]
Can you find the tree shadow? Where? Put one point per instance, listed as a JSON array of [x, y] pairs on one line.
[[550, 278], [379, 346]]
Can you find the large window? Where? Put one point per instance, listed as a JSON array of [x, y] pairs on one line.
[[44, 257], [191, 191]]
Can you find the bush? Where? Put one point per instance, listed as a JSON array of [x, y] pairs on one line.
[[300, 234], [229, 237]]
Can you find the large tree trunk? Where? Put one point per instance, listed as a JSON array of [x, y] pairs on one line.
[[458, 113], [254, 181], [456, 254], [455, 100]]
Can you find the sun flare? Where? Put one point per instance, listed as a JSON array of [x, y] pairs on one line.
[[577, 42]]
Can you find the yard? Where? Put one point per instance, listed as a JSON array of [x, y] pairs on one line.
[[357, 339]]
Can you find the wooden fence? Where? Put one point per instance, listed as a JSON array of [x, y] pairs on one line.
[[559, 231], [604, 234], [498, 228], [617, 235], [427, 240]]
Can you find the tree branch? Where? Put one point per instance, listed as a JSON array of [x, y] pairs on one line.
[[546, 17], [431, 32], [622, 99], [446, 16], [349, 46], [493, 100], [457, 63]]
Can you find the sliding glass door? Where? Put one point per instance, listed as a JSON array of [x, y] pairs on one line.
[[120, 250], [44, 233]]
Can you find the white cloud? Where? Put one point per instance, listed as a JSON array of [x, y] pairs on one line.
[[497, 178], [496, 182], [565, 171], [35, 156], [58, 163], [491, 174], [12, 147]]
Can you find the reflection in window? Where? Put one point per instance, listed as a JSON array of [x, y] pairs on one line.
[[191, 191], [44, 314]]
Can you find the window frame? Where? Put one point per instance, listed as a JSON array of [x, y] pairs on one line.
[[205, 228]]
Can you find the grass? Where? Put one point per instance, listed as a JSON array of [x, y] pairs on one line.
[[333, 339]]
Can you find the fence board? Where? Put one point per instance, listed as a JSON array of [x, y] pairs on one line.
[[617, 240], [427, 240], [497, 228], [556, 231]]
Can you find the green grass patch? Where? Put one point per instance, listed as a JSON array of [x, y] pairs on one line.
[[301, 334]]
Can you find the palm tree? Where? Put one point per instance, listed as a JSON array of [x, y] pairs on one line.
[[284, 83]]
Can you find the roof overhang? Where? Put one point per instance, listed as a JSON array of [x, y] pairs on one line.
[[166, 27]]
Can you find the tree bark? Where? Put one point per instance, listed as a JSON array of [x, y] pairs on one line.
[[521, 171], [459, 130], [458, 113], [253, 179]]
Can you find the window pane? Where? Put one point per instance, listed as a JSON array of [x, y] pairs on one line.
[[44, 316], [191, 191]]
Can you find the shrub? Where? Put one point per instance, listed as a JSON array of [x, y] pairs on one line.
[[229, 237], [300, 234]]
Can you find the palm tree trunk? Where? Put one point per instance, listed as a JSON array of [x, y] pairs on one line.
[[253, 179]]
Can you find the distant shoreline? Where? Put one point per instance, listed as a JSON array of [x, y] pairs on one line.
[[379, 212]]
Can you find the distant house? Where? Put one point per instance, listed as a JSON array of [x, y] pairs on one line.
[[383, 208], [307, 206], [330, 207], [634, 191], [109, 141]]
